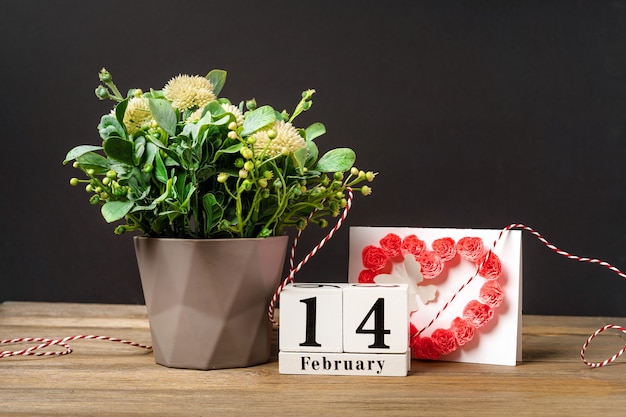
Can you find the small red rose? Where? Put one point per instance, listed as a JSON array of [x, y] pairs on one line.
[[391, 244], [424, 348], [477, 313], [471, 248], [411, 244], [491, 294], [367, 276], [431, 264], [445, 248], [444, 340], [374, 258], [463, 330], [491, 268]]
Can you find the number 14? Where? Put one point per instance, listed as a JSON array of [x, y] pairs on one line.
[[379, 331]]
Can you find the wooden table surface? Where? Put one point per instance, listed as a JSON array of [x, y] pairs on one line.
[[102, 378]]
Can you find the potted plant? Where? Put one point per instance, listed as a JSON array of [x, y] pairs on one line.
[[211, 187]]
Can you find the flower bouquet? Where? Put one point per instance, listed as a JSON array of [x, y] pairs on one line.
[[183, 162]]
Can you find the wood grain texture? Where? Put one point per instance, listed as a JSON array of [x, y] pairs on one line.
[[108, 379]]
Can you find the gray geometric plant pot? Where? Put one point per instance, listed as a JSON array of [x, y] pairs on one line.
[[207, 299]]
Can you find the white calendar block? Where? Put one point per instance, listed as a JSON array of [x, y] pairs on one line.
[[375, 318], [311, 318], [358, 364]]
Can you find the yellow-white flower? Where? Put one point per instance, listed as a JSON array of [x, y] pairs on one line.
[[137, 114], [187, 91], [285, 139], [234, 110]]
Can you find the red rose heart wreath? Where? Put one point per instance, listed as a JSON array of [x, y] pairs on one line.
[[378, 261]]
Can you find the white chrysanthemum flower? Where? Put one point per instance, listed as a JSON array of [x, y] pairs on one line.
[[230, 108], [286, 139], [187, 91], [137, 114]]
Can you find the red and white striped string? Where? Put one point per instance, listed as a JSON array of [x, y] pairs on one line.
[[559, 251], [292, 254], [580, 259], [44, 343], [606, 361]]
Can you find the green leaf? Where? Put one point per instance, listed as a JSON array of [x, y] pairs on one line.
[[140, 148], [190, 130], [172, 158], [213, 209], [257, 119], [79, 151], [139, 184], [211, 110], [336, 160], [160, 172], [314, 131], [225, 119], [94, 161], [218, 79], [180, 184], [115, 210], [143, 208], [168, 191], [151, 151], [120, 111], [300, 156], [185, 204], [119, 150], [313, 153], [215, 107], [164, 114], [231, 149], [110, 127], [150, 94]]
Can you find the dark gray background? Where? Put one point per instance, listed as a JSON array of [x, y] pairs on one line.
[[476, 114]]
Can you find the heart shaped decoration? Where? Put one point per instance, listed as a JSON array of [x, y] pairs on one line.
[[459, 287]]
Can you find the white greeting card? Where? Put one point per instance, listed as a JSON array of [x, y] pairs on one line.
[[465, 296]]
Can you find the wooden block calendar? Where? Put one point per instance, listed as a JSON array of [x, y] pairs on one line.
[[344, 329]]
